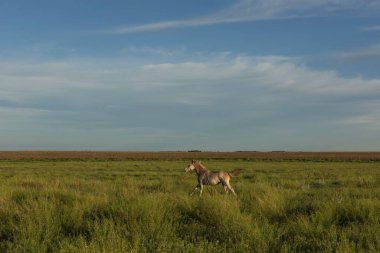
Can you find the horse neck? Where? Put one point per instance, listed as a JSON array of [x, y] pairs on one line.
[[200, 169]]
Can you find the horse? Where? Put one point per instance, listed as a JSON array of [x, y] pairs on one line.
[[206, 177]]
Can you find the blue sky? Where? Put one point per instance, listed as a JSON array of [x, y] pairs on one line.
[[181, 75]]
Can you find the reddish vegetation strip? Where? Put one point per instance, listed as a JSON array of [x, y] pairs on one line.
[[331, 156]]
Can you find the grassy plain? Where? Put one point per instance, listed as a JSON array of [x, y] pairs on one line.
[[144, 206]]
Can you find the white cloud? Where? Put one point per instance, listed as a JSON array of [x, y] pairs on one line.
[[20, 82], [253, 10], [218, 97]]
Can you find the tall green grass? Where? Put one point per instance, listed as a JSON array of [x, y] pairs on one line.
[[144, 206]]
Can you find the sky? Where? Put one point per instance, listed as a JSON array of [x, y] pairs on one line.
[[217, 75]]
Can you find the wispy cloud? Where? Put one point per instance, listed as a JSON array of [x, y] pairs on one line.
[[371, 28], [157, 51], [164, 25], [253, 10], [360, 54]]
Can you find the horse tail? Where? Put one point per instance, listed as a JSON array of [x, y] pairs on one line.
[[236, 172]]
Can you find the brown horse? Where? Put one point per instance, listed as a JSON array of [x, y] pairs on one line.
[[206, 177]]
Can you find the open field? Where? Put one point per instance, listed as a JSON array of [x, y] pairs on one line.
[[131, 205]]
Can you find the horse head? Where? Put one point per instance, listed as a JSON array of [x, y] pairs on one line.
[[191, 166]]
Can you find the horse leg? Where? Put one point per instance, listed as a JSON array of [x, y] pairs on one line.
[[201, 186], [224, 186], [231, 189], [196, 187]]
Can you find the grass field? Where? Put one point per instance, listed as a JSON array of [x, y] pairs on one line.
[[144, 206]]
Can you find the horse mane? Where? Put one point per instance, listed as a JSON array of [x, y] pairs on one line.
[[201, 165]]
